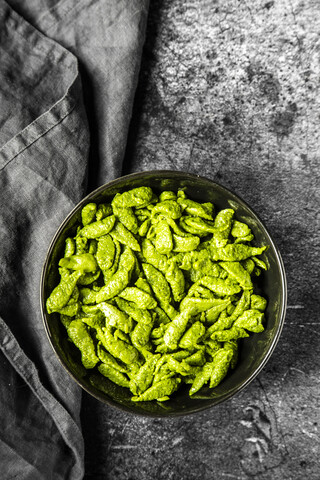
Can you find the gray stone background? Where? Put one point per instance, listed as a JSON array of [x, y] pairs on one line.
[[231, 90]]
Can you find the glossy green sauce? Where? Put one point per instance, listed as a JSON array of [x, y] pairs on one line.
[[156, 292]]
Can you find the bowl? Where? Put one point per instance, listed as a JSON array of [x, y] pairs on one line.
[[254, 351]]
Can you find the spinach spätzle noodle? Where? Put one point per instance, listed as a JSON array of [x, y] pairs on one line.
[[156, 292]]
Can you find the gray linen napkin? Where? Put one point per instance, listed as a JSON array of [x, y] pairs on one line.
[[68, 72]]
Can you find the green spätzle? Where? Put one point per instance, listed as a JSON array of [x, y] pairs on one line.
[[126, 216], [195, 305], [219, 286], [185, 243], [103, 211], [137, 197], [85, 262], [176, 280], [80, 245], [159, 391], [163, 237], [239, 273], [138, 296], [167, 208], [235, 252], [143, 284], [201, 378], [106, 251], [63, 291], [95, 320], [79, 335], [260, 263], [251, 320], [211, 347], [204, 210], [191, 337], [114, 375], [88, 213], [99, 228], [116, 347], [107, 274], [159, 284], [212, 315], [124, 236], [140, 315], [108, 359], [144, 227], [221, 362], [157, 291], [141, 335], [115, 317], [176, 329], [197, 226], [70, 247], [167, 195], [233, 333], [120, 279], [70, 310], [223, 225], [153, 257], [258, 303], [89, 277], [240, 229], [182, 368], [197, 359], [144, 377]]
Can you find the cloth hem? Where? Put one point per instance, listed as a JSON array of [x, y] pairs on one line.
[[41, 125], [28, 371], [58, 111]]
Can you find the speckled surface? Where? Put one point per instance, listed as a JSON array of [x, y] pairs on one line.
[[231, 90]]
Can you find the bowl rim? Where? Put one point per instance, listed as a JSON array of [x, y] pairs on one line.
[[172, 174]]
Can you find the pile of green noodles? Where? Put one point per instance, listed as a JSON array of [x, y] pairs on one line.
[[156, 291]]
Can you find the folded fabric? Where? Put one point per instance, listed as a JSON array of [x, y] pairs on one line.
[[68, 72]]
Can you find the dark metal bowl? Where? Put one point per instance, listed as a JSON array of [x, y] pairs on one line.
[[254, 352]]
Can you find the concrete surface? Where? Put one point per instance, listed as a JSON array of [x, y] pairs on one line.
[[230, 89]]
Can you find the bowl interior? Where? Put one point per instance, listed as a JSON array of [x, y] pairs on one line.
[[254, 351]]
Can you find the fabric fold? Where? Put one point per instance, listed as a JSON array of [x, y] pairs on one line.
[[68, 73], [35, 465], [107, 37], [43, 173]]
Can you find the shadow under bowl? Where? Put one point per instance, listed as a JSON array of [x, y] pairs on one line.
[[254, 351]]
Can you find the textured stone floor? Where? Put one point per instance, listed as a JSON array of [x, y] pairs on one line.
[[231, 90]]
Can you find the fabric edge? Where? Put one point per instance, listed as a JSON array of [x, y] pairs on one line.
[[28, 371]]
